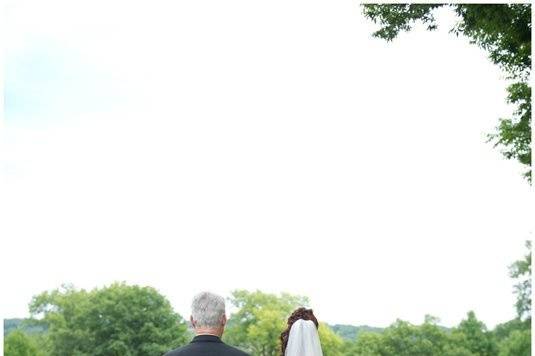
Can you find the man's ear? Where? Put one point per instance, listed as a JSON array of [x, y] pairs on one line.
[[192, 322], [223, 320]]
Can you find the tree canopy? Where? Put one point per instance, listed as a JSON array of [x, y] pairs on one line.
[[259, 319], [17, 343], [504, 32], [114, 320]]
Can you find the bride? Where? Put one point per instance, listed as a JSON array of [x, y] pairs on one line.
[[301, 336]]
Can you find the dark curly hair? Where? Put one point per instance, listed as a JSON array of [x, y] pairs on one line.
[[300, 313]]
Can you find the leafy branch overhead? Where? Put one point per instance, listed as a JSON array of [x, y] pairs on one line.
[[504, 32]]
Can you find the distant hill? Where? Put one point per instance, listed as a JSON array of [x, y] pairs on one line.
[[348, 332], [22, 324], [351, 332]]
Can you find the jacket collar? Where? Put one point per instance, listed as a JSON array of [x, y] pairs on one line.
[[206, 338]]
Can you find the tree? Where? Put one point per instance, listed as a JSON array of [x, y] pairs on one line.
[[403, 339], [514, 336], [18, 343], [504, 31], [518, 343], [259, 320], [521, 271], [331, 343], [367, 344], [472, 334], [114, 320], [502, 331]]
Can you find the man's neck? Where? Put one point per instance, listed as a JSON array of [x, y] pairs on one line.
[[207, 334], [211, 332]]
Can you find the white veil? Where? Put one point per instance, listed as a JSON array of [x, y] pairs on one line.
[[303, 339]]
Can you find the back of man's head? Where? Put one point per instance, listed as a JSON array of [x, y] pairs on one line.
[[208, 311]]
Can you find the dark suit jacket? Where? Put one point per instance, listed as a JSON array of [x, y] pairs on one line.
[[206, 345]]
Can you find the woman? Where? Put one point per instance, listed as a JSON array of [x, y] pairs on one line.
[[301, 337]]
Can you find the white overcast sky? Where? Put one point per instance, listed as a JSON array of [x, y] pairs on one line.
[[269, 145]]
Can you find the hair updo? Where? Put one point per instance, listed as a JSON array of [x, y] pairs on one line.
[[300, 313]]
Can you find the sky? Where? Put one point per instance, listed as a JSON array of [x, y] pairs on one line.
[[274, 145]]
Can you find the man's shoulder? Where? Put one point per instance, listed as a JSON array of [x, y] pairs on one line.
[[175, 352], [191, 350], [184, 350], [235, 351]]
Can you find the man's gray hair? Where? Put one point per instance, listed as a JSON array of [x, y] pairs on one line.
[[207, 310]]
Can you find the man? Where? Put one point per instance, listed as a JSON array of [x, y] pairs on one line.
[[208, 319]]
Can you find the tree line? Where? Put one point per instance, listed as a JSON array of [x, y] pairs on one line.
[[130, 320]]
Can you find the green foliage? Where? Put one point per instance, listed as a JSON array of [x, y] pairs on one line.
[[259, 320], [17, 343], [502, 331], [514, 337], [518, 343], [472, 334], [396, 18], [428, 339], [513, 134], [261, 317], [368, 344], [521, 271], [331, 343], [504, 32], [402, 338], [132, 320], [115, 320]]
